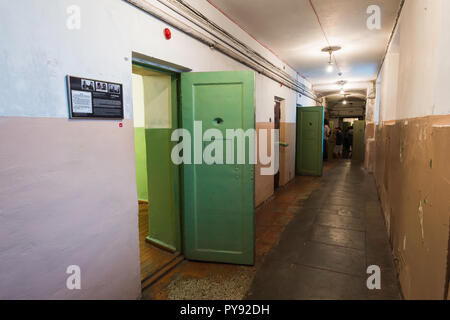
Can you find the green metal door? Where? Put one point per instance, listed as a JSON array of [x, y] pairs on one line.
[[310, 128], [219, 198], [358, 150]]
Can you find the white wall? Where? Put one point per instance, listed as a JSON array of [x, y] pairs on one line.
[[37, 52], [442, 105], [414, 77], [110, 31], [387, 93]]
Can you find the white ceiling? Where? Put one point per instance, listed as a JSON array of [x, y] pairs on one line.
[[290, 29]]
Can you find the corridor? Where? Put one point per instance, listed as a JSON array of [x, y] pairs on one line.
[[224, 150], [325, 251]]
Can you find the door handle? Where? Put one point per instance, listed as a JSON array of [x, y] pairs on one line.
[[284, 144]]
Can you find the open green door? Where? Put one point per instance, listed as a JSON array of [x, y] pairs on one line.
[[309, 159], [219, 198], [359, 132]]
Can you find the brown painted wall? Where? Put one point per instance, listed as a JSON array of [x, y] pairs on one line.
[[264, 185], [287, 154], [413, 178]]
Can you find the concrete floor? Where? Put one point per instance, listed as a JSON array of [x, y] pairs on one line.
[[314, 240], [326, 249]]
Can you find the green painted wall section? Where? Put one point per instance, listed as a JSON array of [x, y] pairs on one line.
[[141, 163], [155, 98], [359, 128], [163, 190]]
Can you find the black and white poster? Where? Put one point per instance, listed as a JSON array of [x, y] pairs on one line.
[[90, 99]]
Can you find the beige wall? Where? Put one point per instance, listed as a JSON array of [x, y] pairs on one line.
[[264, 185]]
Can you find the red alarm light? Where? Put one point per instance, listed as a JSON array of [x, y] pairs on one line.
[[168, 33]]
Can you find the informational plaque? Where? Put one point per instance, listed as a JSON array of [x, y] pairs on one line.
[[95, 99]]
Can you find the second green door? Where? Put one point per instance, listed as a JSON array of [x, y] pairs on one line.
[[309, 158]]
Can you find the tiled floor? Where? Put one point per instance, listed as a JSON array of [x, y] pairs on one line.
[[314, 240], [325, 251]]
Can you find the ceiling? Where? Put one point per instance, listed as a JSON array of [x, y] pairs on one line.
[[290, 28]]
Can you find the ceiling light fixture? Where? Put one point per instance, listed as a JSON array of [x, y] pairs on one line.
[[341, 84], [330, 50], [330, 67], [345, 99]]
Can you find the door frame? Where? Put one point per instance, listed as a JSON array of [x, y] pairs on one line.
[[277, 126], [177, 171]]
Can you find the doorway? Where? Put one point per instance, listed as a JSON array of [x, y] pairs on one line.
[[155, 102], [215, 202]]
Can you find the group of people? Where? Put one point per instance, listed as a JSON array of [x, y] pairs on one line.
[[344, 142]]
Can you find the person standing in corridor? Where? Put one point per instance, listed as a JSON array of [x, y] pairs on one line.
[[339, 143]]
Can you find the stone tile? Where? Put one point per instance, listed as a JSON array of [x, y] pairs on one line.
[[333, 258], [343, 211], [345, 204], [341, 237], [284, 281], [340, 221]]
